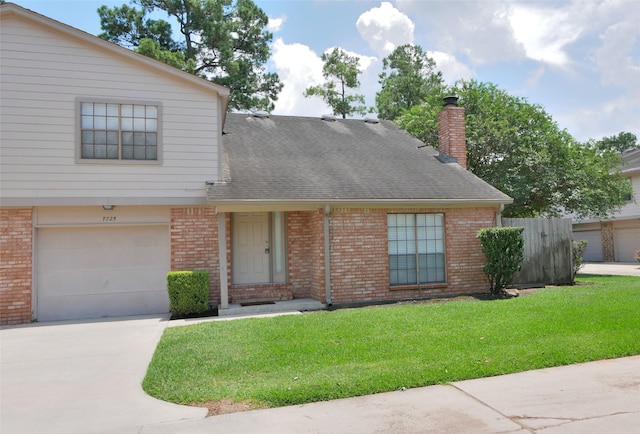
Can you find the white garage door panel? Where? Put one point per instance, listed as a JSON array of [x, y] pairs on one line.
[[593, 252], [626, 241], [98, 272]]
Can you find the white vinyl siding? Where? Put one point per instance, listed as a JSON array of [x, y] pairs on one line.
[[44, 73]]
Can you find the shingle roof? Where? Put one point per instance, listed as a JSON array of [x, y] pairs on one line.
[[286, 158], [631, 161]]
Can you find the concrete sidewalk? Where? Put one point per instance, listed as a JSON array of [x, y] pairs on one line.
[[593, 397]]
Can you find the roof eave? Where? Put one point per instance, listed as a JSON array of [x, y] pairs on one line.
[[230, 205]]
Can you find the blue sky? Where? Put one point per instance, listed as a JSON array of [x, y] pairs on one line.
[[578, 59]]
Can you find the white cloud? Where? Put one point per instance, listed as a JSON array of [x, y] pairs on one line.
[[385, 28], [544, 32], [615, 57], [480, 30], [452, 69], [298, 68], [275, 24]]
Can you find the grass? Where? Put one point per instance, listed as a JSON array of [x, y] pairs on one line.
[[286, 360]]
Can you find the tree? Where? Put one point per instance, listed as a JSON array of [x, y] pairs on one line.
[[408, 77], [624, 141], [341, 73], [518, 148], [224, 41]]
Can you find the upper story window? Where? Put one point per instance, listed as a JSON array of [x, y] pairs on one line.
[[114, 131]]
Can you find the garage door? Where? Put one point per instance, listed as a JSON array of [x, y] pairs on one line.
[[593, 253], [626, 242], [100, 272]]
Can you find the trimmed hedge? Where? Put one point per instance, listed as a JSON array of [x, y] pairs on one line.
[[188, 292], [504, 250]]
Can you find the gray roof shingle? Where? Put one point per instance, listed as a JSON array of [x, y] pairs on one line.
[[288, 159]]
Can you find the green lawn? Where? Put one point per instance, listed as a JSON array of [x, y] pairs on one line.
[[326, 355]]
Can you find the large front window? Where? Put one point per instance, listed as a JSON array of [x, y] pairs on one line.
[[416, 248], [112, 131]]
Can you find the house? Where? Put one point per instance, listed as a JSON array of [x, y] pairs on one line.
[[116, 169], [615, 239], [104, 159]]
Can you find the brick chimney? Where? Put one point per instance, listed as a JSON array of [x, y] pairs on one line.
[[451, 133]]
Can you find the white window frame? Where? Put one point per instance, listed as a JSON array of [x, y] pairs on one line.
[[416, 249], [119, 160]]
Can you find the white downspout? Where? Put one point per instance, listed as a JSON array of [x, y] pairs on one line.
[[499, 216], [327, 256]]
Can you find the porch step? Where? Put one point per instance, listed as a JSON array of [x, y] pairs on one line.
[[295, 305]]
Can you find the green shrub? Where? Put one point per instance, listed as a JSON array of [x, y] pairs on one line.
[[578, 248], [188, 292], [504, 252]]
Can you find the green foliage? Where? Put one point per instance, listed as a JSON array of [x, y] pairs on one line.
[[578, 248], [225, 41], [341, 73], [408, 77], [296, 359], [518, 148], [504, 252], [188, 292], [619, 143], [636, 255]]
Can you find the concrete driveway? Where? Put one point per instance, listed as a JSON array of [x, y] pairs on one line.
[[611, 268], [85, 378], [82, 378]]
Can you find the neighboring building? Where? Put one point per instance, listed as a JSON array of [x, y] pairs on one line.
[[115, 170], [618, 238]]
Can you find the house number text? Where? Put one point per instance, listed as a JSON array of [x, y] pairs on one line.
[[109, 218]]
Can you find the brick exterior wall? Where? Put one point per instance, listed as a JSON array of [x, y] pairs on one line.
[[194, 244], [451, 133], [359, 255], [16, 254]]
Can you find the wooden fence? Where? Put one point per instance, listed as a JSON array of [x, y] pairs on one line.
[[547, 252]]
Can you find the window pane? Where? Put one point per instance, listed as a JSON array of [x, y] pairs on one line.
[[126, 110], [100, 151], [150, 139], [112, 123], [99, 109], [100, 137], [87, 151], [138, 124], [87, 122], [139, 111], [87, 137], [127, 138], [138, 139], [112, 151], [127, 152], [86, 108], [152, 112], [151, 124], [100, 123], [152, 153], [138, 153], [112, 110], [127, 124], [112, 138]]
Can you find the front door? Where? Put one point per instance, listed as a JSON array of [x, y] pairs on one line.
[[250, 248]]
